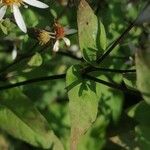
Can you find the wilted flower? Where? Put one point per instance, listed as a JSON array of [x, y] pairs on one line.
[[60, 34], [14, 5], [44, 37]]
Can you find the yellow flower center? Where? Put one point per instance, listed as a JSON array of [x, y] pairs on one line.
[[44, 37], [12, 2]]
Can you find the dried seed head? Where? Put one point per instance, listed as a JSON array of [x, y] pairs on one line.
[[59, 30], [43, 37]]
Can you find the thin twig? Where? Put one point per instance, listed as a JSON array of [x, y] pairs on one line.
[[35, 80], [101, 58], [112, 70], [112, 85], [120, 38]]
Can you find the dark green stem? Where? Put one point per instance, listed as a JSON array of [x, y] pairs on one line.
[[121, 37], [112, 70], [101, 58], [113, 85], [35, 80]]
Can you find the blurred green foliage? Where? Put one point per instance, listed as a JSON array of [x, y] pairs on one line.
[[110, 119]]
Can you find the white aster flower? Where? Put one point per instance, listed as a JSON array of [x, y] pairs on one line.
[[14, 5], [60, 33]]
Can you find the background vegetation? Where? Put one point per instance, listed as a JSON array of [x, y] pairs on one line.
[[101, 98]]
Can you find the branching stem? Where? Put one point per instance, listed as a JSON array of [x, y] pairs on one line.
[[113, 85]]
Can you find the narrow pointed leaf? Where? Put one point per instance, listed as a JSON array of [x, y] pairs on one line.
[[21, 119]]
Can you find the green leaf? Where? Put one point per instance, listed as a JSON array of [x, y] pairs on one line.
[[143, 137], [22, 120], [92, 36], [3, 28], [130, 79], [33, 20], [143, 73], [111, 100], [95, 137], [54, 13], [83, 104], [36, 60], [7, 23], [115, 104], [140, 112]]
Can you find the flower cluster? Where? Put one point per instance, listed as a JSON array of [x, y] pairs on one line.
[[14, 5], [44, 36], [57, 35]]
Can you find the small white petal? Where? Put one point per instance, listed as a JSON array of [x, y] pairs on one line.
[[2, 12], [56, 46], [74, 48], [36, 3], [14, 53], [67, 41], [19, 19], [70, 31], [79, 54]]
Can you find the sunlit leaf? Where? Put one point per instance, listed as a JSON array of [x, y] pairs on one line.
[[83, 103], [140, 112], [33, 19], [111, 102], [143, 73], [92, 36], [3, 28], [130, 79], [36, 60], [96, 135], [22, 120], [54, 13]]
